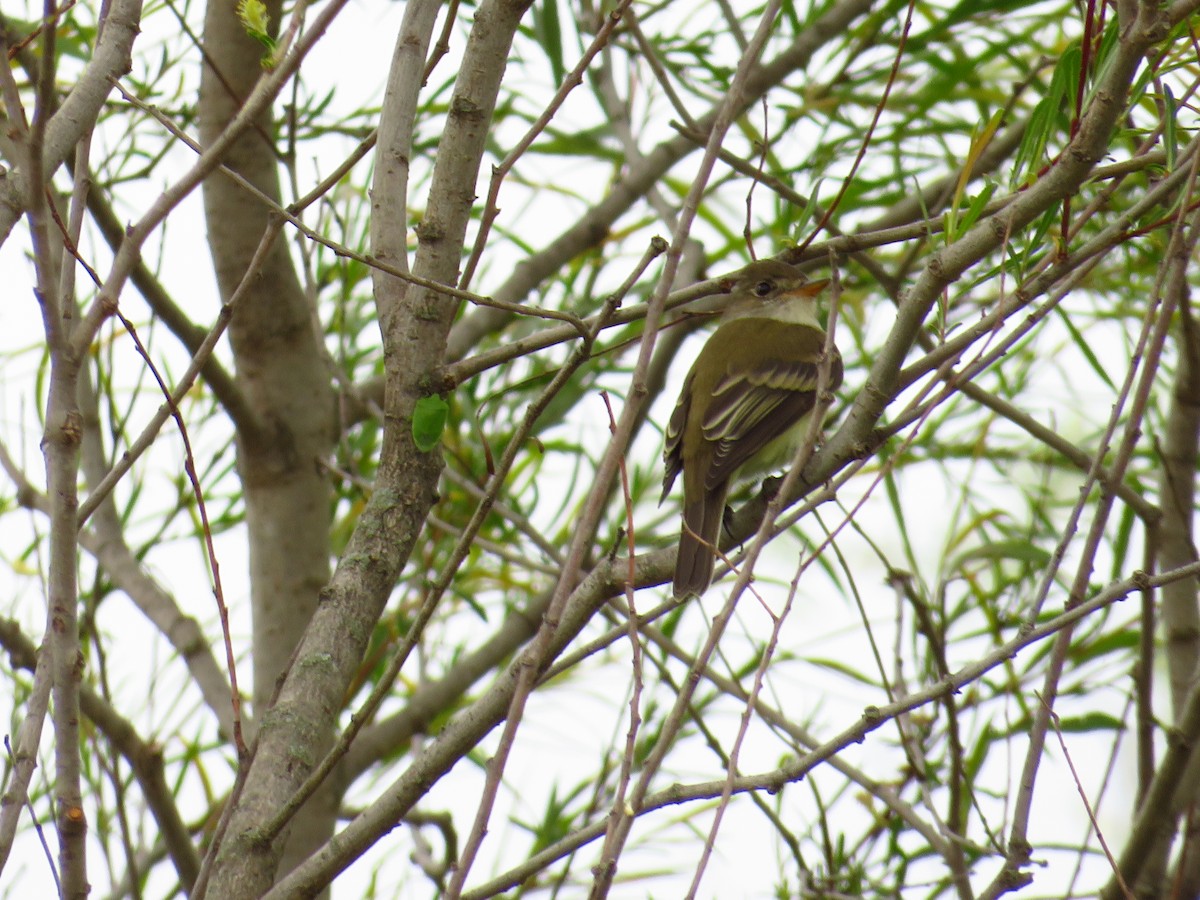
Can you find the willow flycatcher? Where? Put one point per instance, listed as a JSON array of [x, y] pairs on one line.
[[745, 405]]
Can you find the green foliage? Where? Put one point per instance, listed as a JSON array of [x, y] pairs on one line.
[[253, 16]]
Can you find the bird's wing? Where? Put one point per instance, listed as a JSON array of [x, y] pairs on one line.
[[751, 408], [673, 449]]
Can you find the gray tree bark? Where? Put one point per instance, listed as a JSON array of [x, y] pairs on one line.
[[281, 372]]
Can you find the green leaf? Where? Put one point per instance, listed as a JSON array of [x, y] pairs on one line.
[[806, 214], [547, 30], [1019, 550], [979, 142], [255, 19], [1047, 118], [1093, 721], [429, 418], [975, 210], [257, 22], [1170, 136], [845, 668], [1118, 642], [1084, 347], [1121, 541]]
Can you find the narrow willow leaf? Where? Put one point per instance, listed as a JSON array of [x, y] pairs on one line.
[[978, 204], [810, 206], [1031, 155], [548, 31], [1019, 550], [1084, 347], [979, 142], [1170, 136]]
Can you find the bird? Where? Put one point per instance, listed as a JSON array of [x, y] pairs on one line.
[[745, 404]]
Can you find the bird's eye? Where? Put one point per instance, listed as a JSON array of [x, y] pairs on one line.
[[763, 288]]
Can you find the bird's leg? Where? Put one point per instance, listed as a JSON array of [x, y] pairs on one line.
[[770, 487], [769, 490], [727, 521]]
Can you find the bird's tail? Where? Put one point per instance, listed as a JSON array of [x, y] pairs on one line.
[[698, 543]]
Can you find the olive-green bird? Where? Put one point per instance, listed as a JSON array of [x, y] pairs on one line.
[[745, 405]]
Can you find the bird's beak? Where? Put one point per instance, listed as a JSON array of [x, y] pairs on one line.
[[809, 289]]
